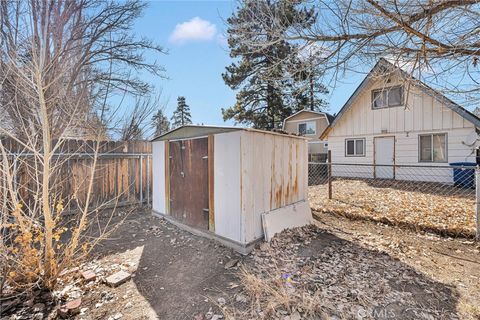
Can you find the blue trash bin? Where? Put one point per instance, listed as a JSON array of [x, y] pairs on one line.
[[463, 176]]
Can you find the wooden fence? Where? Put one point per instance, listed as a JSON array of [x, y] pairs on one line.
[[122, 175]]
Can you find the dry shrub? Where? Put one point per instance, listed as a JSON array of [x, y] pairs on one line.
[[60, 62], [39, 237], [273, 292]]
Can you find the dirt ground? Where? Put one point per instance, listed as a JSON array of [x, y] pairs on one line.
[[176, 275], [419, 206], [343, 269], [451, 263], [350, 266], [336, 269]]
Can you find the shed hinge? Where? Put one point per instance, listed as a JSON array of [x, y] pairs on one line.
[[206, 210], [205, 157]]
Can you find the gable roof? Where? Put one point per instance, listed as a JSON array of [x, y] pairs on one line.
[[328, 116], [192, 131], [383, 63]]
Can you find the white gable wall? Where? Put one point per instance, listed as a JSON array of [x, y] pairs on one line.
[[423, 114]]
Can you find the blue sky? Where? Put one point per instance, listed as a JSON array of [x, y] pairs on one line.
[[193, 32]]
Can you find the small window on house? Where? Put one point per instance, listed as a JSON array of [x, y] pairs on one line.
[[355, 147], [307, 128], [387, 97], [433, 147]]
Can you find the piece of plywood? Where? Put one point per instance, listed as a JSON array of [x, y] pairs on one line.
[[295, 215]]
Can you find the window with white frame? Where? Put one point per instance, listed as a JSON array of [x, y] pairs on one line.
[[308, 127], [387, 97], [355, 147], [432, 147]]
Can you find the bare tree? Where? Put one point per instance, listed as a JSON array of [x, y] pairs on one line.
[[60, 61], [136, 121], [88, 48], [437, 41]]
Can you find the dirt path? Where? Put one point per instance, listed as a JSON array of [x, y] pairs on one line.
[[176, 275]]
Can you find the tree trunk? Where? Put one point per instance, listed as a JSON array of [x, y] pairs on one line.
[[312, 94], [270, 106]]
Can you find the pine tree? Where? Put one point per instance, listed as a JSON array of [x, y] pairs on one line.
[[160, 123], [308, 89], [181, 115], [263, 76]]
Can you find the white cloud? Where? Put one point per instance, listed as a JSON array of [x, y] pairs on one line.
[[195, 29]]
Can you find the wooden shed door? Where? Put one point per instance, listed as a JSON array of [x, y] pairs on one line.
[[189, 182]]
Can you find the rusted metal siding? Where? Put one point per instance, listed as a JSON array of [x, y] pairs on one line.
[[273, 175], [189, 196]]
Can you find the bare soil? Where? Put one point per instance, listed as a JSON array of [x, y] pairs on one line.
[[338, 268], [175, 275]]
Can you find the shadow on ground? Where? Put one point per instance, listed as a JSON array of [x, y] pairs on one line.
[[178, 271], [181, 275]]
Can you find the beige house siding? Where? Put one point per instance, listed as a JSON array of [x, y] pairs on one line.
[[315, 145]]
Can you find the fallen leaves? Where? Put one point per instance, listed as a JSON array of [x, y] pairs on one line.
[[308, 273], [400, 204]]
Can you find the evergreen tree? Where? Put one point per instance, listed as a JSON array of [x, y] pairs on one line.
[[181, 115], [309, 91], [160, 123], [263, 73]]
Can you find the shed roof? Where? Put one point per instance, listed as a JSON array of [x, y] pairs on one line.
[[193, 131]]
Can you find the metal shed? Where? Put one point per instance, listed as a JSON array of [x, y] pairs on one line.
[[225, 182]]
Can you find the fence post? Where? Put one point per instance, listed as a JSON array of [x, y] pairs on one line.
[[141, 178], [477, 201], [329, 172]]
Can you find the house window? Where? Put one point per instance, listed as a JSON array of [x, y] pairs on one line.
[[307, 128], [433, 147], [355, 147], [387, 97]]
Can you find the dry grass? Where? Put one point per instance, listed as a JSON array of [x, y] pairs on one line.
[[439, 212], [308, 273], [273, 292]]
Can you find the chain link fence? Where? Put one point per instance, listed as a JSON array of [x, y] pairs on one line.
[[440, 199]]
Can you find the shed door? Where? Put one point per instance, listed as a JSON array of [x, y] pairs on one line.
[[384, 157], [189, 182]]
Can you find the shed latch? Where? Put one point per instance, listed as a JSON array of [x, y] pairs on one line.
[[205, 157]]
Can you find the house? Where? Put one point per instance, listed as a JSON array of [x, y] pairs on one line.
[[310, 124], [394, 120], [225, 182]]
